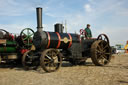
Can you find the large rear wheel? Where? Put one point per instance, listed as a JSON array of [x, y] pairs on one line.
[[100, 53], [51, 60]]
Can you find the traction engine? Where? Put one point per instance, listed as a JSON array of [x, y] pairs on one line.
[[51, 48], [12, 47]]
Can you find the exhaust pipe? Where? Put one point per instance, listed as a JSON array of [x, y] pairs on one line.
[[39, 19]]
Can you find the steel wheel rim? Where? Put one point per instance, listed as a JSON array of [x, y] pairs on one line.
[[103, 53], [51, 61], [28, 62]]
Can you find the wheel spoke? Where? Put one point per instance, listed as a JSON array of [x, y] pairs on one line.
[[107, 53], [25, 38], [48, 66], [99, 47], [24, 34], [31, 35], [102, 46], [97, 51], [53, 66], [28, 32], [53, 54], [59, 62], [100, 60], [105, 46], [48, 57], [105, 58]]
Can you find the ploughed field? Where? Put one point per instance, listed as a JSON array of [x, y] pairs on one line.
[[115, 73]]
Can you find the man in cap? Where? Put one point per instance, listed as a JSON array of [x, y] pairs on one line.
[[88, 33]]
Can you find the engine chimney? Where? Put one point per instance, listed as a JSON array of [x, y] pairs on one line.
[[39, 19]]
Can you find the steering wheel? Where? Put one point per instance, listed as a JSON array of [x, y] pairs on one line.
[[27, 36], [82, 32], [103, 37], [4, 34]]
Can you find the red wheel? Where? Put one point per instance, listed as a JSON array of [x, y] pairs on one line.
[[82, 32]]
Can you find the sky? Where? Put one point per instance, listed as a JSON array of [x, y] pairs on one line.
[[105, 16]]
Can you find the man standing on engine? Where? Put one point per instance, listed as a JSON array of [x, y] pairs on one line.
[[88, 33]]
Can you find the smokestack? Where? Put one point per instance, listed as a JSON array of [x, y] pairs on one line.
[[39, 19]]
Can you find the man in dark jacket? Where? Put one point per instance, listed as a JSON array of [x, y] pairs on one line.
[[88, 33]]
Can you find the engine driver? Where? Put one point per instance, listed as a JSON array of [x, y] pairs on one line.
[[88, 34]]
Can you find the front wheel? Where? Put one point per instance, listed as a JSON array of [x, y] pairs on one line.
[[51, 60], [30, 61]]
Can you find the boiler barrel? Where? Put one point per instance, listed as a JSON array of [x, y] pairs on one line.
[[54, 40]]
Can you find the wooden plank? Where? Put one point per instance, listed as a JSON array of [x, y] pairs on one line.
[[2, 41]]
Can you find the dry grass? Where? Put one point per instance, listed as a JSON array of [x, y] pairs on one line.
[[116, 73]]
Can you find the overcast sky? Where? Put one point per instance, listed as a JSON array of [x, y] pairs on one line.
[[105, 16]]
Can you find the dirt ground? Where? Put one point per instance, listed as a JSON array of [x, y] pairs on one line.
[[116, 73]]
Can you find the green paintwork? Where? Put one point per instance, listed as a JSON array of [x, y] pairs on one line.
[[7, 49], [11, 43], [28, 36], [10, 47]]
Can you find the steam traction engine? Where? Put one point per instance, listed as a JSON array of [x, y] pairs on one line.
[[12, 47], [53, 47]]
